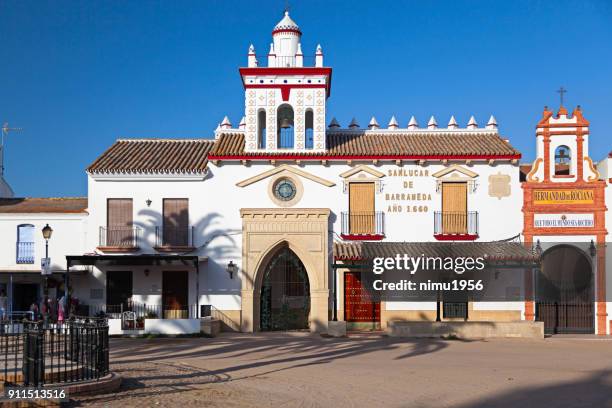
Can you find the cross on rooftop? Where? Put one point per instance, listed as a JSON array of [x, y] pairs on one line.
[[562, 91]]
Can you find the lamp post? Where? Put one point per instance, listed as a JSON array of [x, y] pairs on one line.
[[47, 231], [232, 268]]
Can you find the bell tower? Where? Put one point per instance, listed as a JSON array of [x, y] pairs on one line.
[[285, 100]]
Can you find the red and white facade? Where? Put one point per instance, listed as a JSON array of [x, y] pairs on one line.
[[565, 199]]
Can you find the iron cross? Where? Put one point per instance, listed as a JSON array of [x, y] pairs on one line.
[[561, 91]]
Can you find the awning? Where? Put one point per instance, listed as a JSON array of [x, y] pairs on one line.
[[498, 251], [145, 259]]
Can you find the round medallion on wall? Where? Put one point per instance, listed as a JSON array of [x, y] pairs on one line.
[[285, 191]]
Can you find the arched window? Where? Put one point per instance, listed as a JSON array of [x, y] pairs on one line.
[[284, 124], [25, 244], [261, 129], [563, 161], [309, 142]]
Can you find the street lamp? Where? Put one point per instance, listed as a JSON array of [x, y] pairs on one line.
[[47, 231], [232, 268]]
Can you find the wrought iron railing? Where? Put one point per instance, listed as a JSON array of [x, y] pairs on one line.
[[455, 310], [119, 237], [25, 252], [35, 353], [566, 317], [288, 61], [455, 222], [363, 223], [142, 311], [171, 236]]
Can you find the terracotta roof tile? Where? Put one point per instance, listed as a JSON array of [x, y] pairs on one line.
[[369, 144], [154, 156], [43, 205], [495, 251]]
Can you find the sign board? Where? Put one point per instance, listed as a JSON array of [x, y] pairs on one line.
[[45, 266], [563, 220], [576, 196]]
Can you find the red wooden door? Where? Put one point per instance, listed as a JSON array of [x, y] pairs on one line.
[[359, 305]]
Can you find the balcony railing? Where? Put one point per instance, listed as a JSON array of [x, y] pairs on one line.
[[288, 61], [25, 252], [363, 224], [119, 238], [171, 237], [455, 223]]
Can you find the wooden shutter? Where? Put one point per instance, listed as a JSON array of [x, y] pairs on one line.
[[361, 208], [176, 221], [119, 222], [454, 208]]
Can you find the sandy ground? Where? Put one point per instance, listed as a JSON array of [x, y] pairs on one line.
[[304, 370]]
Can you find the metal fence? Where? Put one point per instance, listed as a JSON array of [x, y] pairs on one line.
[[35, 353], [455, 310], [566, 317], [141, 311]]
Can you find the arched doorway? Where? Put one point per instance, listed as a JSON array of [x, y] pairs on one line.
[[565, 291], [285, 293]]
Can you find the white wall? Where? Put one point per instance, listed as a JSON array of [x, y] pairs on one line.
[[215, 203], [68, 238]]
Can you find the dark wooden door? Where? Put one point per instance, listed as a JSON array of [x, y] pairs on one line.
[[359, 305], [175, 289], [118, 290]]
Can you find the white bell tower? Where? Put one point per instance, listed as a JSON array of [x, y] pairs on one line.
[[285, 100]]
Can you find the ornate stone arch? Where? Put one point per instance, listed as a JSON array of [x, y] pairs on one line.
[[305, 232]]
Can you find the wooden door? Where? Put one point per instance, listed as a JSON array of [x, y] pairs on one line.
[[176, 222], [119, 222], [359, 305], [118, 291], [454, 208], [361, 208], [175, 286]]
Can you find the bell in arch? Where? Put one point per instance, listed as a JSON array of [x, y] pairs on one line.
[[285, 123]]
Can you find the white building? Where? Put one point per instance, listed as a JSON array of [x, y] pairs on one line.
[[263, 224]]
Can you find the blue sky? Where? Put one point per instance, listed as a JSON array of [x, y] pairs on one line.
[[76, 75]]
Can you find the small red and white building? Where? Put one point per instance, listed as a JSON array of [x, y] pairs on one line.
[[565, 215]]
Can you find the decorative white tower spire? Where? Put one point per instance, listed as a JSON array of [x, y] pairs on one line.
[[319, 56], [373, 124], [334, 124], [472, 123], [452, 123], [286, 36], [252, 58], [393, 123], [299, 57], [354, 124], [226, 124], [432, 124], [492, 123], [412, 125]]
